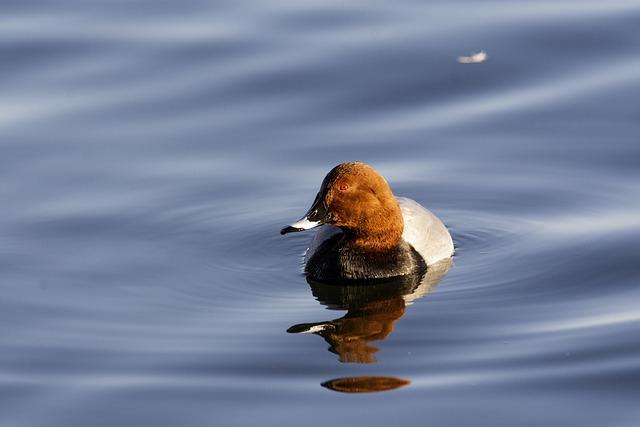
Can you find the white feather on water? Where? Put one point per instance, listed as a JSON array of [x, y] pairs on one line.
[[474, 58]]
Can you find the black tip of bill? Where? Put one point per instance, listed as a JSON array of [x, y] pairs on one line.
[[290, 229]]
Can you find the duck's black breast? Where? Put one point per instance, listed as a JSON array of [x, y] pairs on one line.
[[334, 260]]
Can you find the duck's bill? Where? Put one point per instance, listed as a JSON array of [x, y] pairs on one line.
[[302, 225], [317, 215]]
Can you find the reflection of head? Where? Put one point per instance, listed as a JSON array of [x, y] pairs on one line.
[[373, 309], [365, 384], [349, 336]]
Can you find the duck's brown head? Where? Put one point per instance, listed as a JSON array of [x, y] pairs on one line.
[[356, 198]]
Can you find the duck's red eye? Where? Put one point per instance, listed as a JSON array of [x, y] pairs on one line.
[[343, 187]]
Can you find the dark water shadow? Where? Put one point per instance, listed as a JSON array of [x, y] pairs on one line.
[[372, 311]]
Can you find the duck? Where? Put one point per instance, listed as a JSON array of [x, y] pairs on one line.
[[368, 233]]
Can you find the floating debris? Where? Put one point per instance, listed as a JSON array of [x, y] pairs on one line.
[[475, 58]]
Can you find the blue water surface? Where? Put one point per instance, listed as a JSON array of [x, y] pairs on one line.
[[150, 151]]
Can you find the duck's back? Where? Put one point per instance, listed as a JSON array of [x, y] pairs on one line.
[[425, 232]]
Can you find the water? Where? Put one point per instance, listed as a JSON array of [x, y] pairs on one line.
[[151, 151]]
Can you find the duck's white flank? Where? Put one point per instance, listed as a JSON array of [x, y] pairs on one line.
[[425, 232]]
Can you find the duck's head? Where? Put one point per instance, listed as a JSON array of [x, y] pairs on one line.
[[356, 198]]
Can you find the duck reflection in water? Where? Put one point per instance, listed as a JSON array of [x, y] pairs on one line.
[[372, 310]]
